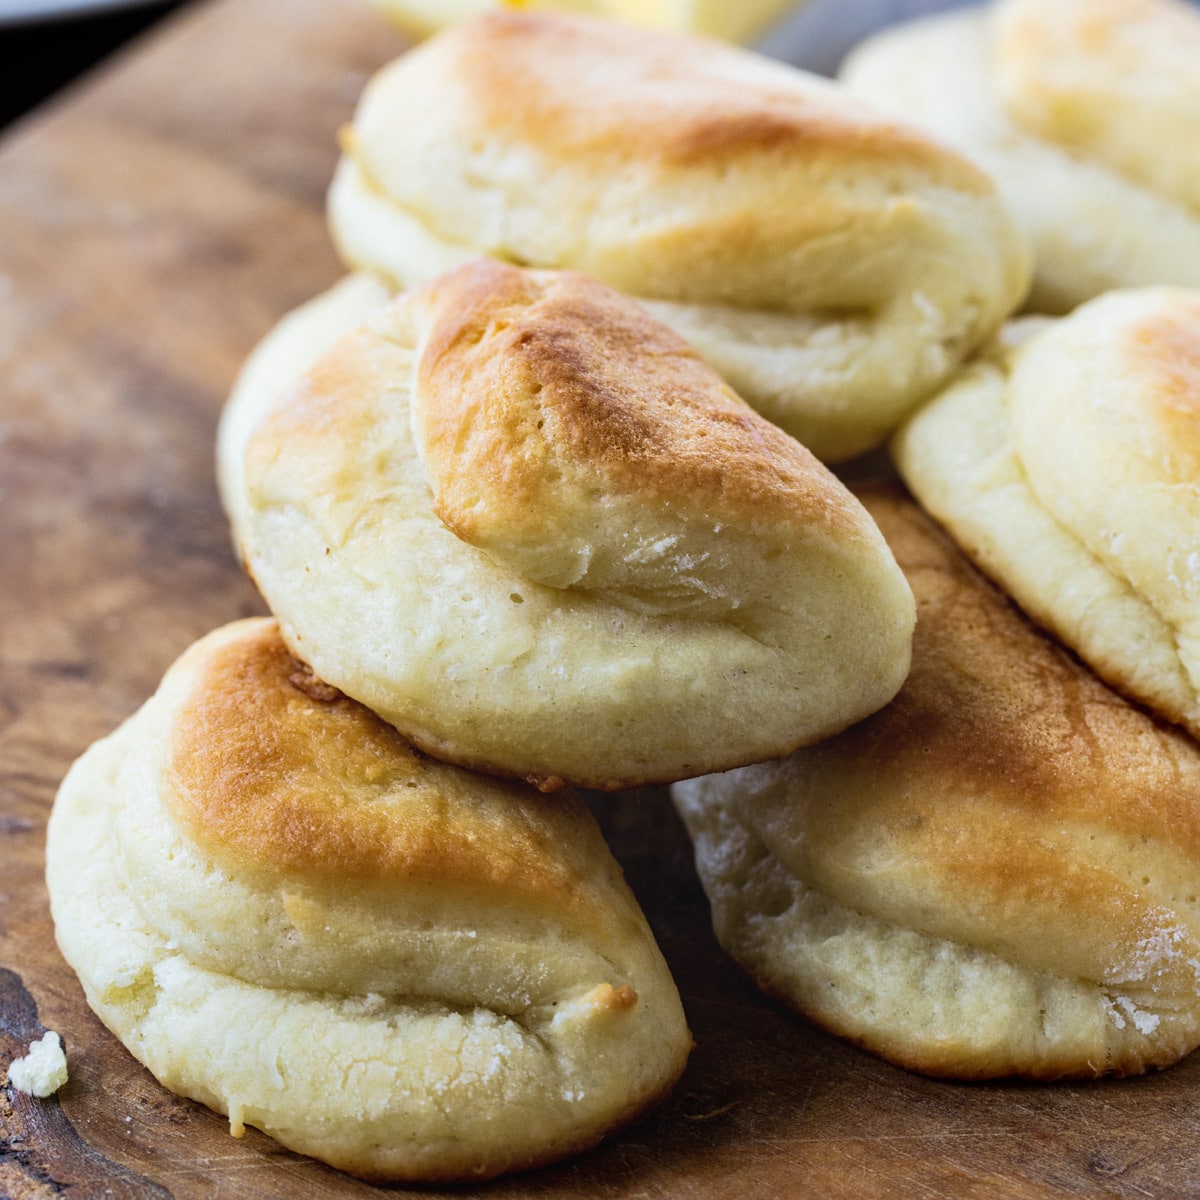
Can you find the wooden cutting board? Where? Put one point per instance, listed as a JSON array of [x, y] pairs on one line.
[[152, 226]]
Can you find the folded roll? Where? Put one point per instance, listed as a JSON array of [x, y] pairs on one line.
[[832, 265], [525, 523], [1087, 114], [1067, 464], [288, 914], [995, 875], [1112, 80]]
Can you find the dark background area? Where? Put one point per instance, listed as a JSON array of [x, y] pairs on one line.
[[39, 57]]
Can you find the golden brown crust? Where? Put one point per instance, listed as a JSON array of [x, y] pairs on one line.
[[610, 92], [995, 707], [524, 523], [1061, 821], [532, 386], [832, 264], [696, 171], [1163, 348], [274, 772], [404, 970]]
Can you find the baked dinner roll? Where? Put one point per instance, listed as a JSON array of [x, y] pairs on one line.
[[995, 875], [1067, 464], [403, 969], [525, 523], [1086, 112], [288, 349], [832, 265], [1115, 80]]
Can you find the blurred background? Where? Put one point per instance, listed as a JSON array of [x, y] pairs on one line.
[[44, 44], [47, 43]]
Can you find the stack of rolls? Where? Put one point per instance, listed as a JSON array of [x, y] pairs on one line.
[[520, 533], [331, 879], [997, 874]]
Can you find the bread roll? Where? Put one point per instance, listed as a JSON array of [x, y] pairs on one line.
[[525, 523], [832, 265], [1084, 111], [995, 875], [1068, 467], [288, 914], [1116, 81]]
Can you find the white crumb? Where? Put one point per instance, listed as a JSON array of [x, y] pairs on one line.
[[43, 1070]]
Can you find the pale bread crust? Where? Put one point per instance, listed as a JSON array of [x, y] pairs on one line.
[[995, 875], [1113, 80], [1068, 467], [287, 913], [1093, 226], [525, 523], [291, 346], [833, 265]]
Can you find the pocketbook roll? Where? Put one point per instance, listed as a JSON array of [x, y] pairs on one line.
[[287, 913]]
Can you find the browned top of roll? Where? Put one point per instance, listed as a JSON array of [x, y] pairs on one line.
[[272, 771], [612, 91], [538, 391]]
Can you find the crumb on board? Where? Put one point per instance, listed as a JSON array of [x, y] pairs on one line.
[[43, 1070]]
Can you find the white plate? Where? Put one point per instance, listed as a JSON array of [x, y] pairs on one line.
[[13, 12]]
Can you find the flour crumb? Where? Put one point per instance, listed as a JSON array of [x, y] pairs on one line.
[[43, 1070]]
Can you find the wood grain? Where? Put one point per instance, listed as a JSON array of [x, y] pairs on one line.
[[152, 226]]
